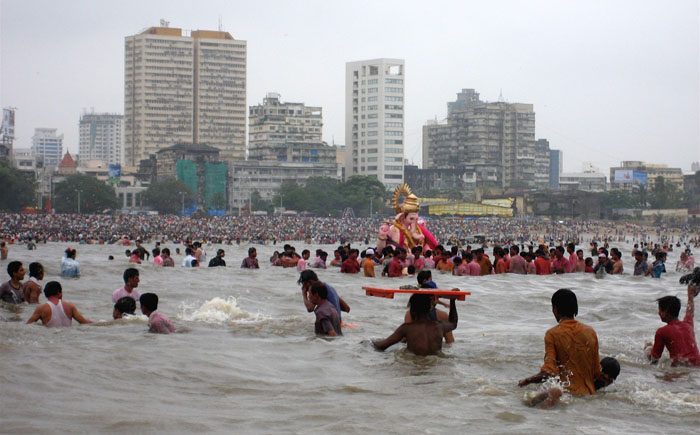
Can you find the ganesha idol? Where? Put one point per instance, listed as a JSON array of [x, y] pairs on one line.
[[407, 230]]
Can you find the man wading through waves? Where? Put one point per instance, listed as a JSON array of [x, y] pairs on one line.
[[571, 350]]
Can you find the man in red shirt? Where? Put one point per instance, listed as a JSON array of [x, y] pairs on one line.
[[396, 264], [677, 336], [542, 264], [560, 264], [351, 265]]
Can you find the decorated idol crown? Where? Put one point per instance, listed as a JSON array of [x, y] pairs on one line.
[[410, 203]]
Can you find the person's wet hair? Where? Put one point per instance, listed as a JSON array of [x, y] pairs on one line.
[[126, 305], [565, 302], [611, 367], [35, 269], [423, 276], [307, 275], [420, 305], [670, 304], [13, 267], [149, 301], [320, 289], [130, 273], [52, 288]]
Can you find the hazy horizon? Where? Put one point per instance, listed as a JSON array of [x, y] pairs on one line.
[[609, 81]]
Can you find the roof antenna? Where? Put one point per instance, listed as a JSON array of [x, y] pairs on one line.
[[221, 25], [500, 97]]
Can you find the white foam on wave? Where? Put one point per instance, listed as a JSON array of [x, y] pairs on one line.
[[217, 310], [665, 399]]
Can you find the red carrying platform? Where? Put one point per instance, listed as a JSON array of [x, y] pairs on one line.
[[389, 293]]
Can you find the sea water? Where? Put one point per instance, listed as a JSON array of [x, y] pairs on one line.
[[246, 359]]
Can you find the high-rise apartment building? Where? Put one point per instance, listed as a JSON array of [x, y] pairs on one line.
[[374, 119], [184, 88], [556, 167], [102, 138], [495, 140], [542, 159], [47, 146], [287, 132]]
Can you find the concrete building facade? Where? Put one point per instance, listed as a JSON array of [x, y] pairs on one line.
[[101, 137], [47, 146], [287, 132], [181, 87], [266, 177], [374, 119], [495, 140]]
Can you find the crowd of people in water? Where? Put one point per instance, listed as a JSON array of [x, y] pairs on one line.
[[517, 246], [74, 228]]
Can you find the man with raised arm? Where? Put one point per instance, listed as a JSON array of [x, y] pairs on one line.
[[678, 336], [423, 335]]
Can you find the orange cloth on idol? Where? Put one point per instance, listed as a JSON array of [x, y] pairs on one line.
[[571, 352]]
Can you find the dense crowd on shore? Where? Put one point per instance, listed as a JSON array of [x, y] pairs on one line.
[[22, 228]]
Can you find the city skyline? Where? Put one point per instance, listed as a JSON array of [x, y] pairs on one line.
[[608, 82]]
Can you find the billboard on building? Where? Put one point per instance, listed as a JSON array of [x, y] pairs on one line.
[[624, 176], [115, 171], [639, 177], [7, 128]]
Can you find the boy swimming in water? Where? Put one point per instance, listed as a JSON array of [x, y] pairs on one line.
[[423, 335]]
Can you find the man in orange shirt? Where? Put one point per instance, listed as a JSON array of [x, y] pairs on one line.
[[571, 349], [368, 264], [483, 261]]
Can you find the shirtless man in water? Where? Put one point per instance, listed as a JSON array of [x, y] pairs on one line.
[[423, 336], [55, 312]]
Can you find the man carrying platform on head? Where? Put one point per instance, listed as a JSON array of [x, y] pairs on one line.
[[423, 335]]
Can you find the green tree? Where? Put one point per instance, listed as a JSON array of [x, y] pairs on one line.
[[361, 192], [95, 195], [19, 188], [166, 196], [664, 195], [259, 204]]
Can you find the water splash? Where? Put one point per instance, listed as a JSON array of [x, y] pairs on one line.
[[216, 310]]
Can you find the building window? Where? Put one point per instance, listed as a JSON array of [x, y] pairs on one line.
[[390, 98], [372, 90]]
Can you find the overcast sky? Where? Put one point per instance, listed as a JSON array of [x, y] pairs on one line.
[[609, 80]]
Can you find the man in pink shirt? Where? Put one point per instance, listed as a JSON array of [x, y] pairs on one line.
[[517, 264], [472, 266], [157, 259], [131, 281], [157, 322], [573, 258], [301, 264]]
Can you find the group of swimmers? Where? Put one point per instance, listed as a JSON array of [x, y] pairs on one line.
[[58, 313], [425, 326]]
